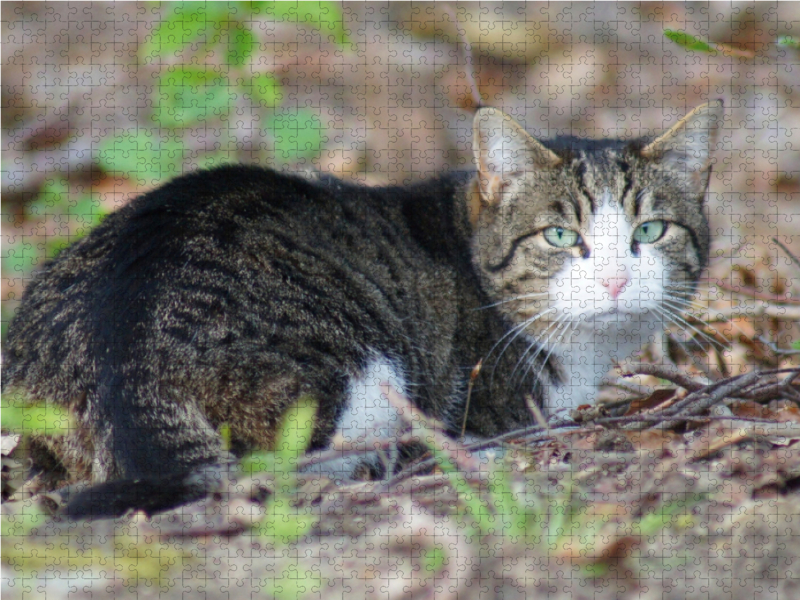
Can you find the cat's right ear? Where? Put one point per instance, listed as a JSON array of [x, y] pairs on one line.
[[686, 148], [504, 152]]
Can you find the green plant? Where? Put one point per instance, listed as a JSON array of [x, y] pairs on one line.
[[205, 57], [284, 521], [25, 418], [690, 42]]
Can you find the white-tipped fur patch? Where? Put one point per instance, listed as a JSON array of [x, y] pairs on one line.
[[368, 415]]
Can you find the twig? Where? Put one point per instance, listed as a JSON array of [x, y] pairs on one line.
[[720, 394], [661, 420], [698, 362], [795, 260], [752, 293], [469, 67], [774, 347], [787, 312], [637, 391], [696, 402], [530, 434], [782, 370], [348, 448], [476, 370], [538, 415], [770, 391], [663, 372]]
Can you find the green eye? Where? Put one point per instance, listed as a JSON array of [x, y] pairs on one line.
[[650, 232], [561, 238]]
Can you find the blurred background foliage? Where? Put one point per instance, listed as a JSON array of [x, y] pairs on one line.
[[102, 101], [202, 64]]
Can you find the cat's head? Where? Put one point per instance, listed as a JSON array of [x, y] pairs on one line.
[[569, 233]]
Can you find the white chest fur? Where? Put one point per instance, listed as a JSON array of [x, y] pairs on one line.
[[608, 306]]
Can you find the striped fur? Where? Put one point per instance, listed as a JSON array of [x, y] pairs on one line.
[[225, 295]]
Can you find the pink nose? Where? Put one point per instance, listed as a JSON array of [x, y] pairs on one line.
[[615, 285]]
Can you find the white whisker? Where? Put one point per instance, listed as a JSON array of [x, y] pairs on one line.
[[547, 357], [557, 331], [678, 320], [536, 342], [670, 319], [684, 304], [514, 299], [515, 332]]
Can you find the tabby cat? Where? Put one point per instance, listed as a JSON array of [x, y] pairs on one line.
[[225, 295]]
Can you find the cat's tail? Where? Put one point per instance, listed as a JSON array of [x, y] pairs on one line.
[[150, 495]]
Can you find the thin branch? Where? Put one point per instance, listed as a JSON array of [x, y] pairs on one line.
[[468, 60], [795, 260], [753, 293], [664, 372], [774, 347]]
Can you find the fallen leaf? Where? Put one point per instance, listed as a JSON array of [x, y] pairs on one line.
[[659, 398]]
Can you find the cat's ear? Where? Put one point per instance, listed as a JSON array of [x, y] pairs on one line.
[[504, 152], [687, 146]]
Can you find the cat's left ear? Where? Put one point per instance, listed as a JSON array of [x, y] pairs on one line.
[[686, 147], [504, 152]]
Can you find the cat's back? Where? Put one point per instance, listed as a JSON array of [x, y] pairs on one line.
[[217, 257]]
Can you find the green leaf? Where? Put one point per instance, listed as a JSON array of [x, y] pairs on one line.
[[689, 41], [171, 36], [86, 210], [132, 153], [19, 259], [294, 437], [186, 23], [294, 583], [19, 525], [432, 559], [298, 135], [24, 417], [142, 155], [56, 244], [668, 515], [258, 462], [787, 41], [297, 426], [187, 96], [506, 505], [265, 90], [241, 43], [284, 523], [51, 199], [214, 159], [56, 201]]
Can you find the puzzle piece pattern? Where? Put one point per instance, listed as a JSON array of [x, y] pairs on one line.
[[383, 103]]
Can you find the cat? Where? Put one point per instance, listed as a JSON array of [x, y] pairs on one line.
[[225, 295]]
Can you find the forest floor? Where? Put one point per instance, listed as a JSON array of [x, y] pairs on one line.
[[688, 488]]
